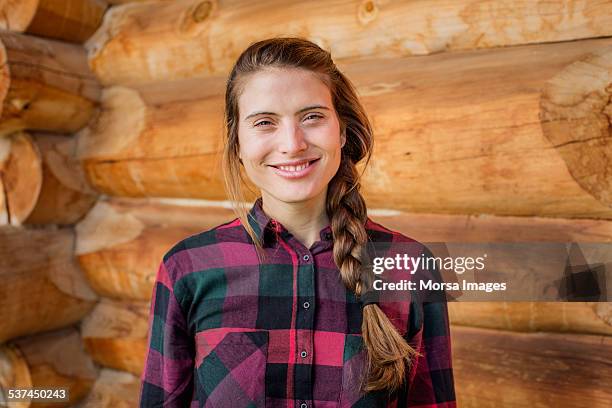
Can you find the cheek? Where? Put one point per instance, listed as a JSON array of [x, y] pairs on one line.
[[250, 150], [326, 138], [252, 160], [334, 150]]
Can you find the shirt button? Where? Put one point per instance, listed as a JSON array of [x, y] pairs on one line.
[[306, 257], [303, 354], [303, 405], [306, 305]]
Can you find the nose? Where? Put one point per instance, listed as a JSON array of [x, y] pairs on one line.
[[292, 139]]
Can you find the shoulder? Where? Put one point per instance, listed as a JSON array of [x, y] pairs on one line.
[[206, 249], [226, 232]]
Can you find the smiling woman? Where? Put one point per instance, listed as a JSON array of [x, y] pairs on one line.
[[276, 308]]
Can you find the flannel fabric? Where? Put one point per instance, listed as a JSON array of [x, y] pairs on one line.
[[228, 331]]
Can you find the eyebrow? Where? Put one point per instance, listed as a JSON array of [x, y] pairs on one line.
[[276, 114]]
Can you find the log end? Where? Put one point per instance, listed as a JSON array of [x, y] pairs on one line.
[[113, 389], [115, 334], [104, 227], [14, 371], [114, 127], [66, 196], [58, 359], [22, 178], [576, 117], [17, 15]]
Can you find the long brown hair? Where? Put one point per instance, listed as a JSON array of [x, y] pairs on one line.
[[388, 354]]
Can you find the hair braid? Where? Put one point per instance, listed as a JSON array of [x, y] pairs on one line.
[[388, 354]]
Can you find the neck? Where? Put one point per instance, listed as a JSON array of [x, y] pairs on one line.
[[303, 219]]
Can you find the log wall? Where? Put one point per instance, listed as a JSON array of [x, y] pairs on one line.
[[207, 36], [47, 93], [491, 119], [68, 20], [506, 151]]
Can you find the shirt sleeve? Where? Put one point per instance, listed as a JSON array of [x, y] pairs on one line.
[[167, 379], [433, 383]]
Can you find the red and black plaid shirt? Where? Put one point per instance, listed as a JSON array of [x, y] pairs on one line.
[[227, 331]]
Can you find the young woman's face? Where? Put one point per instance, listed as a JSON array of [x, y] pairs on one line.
[[289, 134]]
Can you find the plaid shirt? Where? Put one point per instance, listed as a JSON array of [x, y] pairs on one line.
[[227, 331]]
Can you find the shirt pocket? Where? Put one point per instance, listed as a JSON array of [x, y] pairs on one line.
[[234, 372]]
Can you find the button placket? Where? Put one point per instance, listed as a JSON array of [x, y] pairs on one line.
[[305, 291]]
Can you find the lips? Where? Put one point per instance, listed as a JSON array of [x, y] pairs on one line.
[[294, 166], [295, 170]]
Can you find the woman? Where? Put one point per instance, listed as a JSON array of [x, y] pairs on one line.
[[276, 307]]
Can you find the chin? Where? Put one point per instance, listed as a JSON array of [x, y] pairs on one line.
[[294, 194]]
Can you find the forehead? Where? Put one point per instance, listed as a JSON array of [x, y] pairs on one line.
[[282, 90]]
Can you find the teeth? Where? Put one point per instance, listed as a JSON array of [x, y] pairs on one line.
[[294, 168]]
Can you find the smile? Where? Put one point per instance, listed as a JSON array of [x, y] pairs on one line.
[[294, 168], [295, 171]]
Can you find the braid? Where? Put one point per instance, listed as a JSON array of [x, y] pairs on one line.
[[348, 218], [388, 354]]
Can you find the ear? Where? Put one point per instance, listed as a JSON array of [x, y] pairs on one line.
[[343, 139]]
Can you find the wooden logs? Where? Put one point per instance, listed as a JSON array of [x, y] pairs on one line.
[[497, 368], [14, 373], [205, 36], [69, 20], [43, 182], [115, 2], [65, 196], [58, 360], [22, 177], [576, 117], [42, 287], [133, 139], [115, 334], [477, 140], [523, 369], [113, 389], [16, 15], [45, 85], [480, 151], [490, 228], [121, 242], [576, 317]]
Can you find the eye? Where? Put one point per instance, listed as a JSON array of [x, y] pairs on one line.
[[262, 123], [314, 116]]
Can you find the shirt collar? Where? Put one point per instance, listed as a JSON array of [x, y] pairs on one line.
[[267, 229]]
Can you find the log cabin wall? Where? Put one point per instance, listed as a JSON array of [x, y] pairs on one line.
[[492, 123], [48, 93]]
